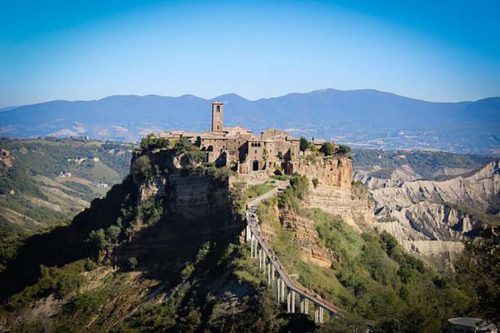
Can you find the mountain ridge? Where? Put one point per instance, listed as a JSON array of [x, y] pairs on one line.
[[350, 116], [322, 90]]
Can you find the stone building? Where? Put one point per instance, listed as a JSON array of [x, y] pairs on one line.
[[274, 151]]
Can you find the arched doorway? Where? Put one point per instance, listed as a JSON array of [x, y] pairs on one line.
[[255, 165]]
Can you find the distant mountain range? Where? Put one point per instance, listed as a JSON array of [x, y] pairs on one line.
[[360, 117]]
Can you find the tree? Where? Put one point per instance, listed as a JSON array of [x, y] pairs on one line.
[[327, 148], [151, 142], [183, 145], [304, 144], [142, 167], [197, 143], [98, 240], [113, 232], [344, 150], [315, 182], [132, 262], [479, 268]]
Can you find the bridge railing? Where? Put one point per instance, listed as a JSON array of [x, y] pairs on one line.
[[286, 288]]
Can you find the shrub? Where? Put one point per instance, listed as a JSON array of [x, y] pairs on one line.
[[98, 240], [142, 167], [300, 186], [315, 182], [344, 150], [152, 142], [196, 157], [183, 145], [327, 148], [304, 144], [388, 241], [113, 233], [132, 262]]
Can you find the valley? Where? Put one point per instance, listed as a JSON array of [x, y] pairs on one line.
[[162, 249]]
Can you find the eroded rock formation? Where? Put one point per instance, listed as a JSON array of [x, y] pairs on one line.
[[432, 218]]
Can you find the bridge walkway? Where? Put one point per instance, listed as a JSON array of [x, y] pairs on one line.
[[287, 288]]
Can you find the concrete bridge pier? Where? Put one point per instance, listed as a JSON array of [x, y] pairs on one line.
[[255, 246], [248, 233], [283, 290], [289, 301], [306, 306], [302, 304], [278, 288], [319, 312], [259, 250], [269, 269], [252, 246], [293, 301], [264, 261]]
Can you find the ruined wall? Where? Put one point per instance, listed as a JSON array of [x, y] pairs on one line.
[[330, 171]]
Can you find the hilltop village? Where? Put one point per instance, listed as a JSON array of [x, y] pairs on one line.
[[273, 152]]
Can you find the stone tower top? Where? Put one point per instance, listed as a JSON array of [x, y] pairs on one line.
[[217, 117]]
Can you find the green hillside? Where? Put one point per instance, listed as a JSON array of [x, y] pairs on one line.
[[425, 163], [123, 266], [41, 184]]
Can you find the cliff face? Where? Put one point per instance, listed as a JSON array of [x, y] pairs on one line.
[[476, 190], [306, 236], [196, 208], [333, 193], [432, 218], [397, 177], [355, 210], [330, 171]]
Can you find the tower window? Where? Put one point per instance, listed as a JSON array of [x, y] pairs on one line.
[[218, 108]]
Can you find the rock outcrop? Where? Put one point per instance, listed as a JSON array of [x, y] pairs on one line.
[[196, 208], [476, 190], [432, 218], [331, 171], [307, 237], [354, 210], [397, 177]]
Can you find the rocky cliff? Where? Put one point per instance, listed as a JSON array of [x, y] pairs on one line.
[[354, 208], [431, 217], [330, 171], [196, 208], [476, 191]]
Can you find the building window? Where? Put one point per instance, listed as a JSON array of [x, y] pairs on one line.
[[218, 108]]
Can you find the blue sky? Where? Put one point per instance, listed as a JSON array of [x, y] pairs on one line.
[[432, 50]]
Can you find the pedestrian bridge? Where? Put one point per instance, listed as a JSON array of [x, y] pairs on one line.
[[297, 298]]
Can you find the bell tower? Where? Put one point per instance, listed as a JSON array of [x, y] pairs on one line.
[[217, 116]]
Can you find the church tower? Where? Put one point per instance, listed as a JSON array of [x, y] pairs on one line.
[[217, 116]]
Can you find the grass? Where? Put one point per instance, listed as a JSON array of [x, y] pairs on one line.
[[371, 276], [254, 191]]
